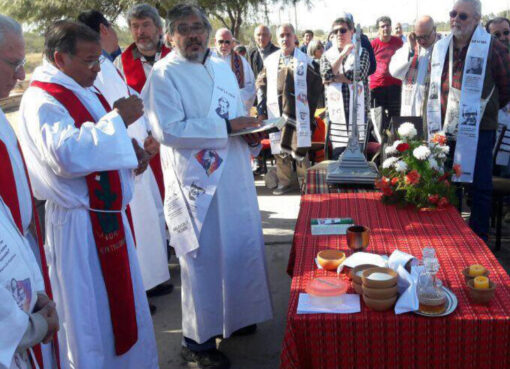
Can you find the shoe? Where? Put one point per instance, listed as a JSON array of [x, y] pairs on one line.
[[506, 219], [259, 171], [160, 290], [246, 331], [209, 359], [152, 309], [280, 190]]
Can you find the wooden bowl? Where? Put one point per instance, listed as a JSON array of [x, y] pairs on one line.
[[380, 305], [330, 259], [357, 288], [380, 293], [354, 272], [467, 277], [373, 283], [481, 296]]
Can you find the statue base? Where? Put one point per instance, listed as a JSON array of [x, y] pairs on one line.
[[352, 167]]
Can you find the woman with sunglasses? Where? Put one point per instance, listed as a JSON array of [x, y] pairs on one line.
[[337, 66]]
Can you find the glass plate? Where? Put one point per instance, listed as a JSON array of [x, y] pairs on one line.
[[451, 305]]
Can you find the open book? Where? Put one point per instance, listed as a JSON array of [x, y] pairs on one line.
[[268, 126]]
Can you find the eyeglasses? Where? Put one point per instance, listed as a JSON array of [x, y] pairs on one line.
[[185, 29], [339, 30], [462, 16], [499, 34], [424, 37], [226, 42], [16, 66], [91, 65]]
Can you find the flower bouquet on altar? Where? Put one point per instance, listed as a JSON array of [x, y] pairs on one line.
[[413, 174]]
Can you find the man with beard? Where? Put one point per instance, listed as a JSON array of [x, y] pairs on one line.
[[223, 272], [473, 97]]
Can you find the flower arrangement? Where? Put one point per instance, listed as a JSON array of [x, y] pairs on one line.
[[413, 173]]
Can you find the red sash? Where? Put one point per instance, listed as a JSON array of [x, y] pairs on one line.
[[105, 193], [9, 194], [135, 78], [236, 63]]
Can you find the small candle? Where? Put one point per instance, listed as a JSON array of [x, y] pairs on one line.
[[481, 282], [476, 270]]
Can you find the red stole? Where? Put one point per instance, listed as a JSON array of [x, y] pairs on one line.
[[136, 78], [105, 194], [9, 194], [236, 63]]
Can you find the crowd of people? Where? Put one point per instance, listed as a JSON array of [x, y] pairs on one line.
[[135, 149]]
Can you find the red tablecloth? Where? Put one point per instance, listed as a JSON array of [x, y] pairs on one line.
[[474, 336]]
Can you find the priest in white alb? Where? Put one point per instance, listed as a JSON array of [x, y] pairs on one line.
[[82, 162], [193, 102], [27, 315]]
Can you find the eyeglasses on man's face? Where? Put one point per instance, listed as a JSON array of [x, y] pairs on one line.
[[226, 42], [184, 29], [499, 34], [337, 31], [462, 16], [17, 65]]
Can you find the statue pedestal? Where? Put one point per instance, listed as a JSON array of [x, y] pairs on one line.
[[352, 167]]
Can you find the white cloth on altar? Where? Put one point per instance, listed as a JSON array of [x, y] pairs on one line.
[[248, 92], [59, 156], [225, 287], [146, 205]]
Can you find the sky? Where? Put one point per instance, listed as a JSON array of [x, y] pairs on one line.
[[365, 12]]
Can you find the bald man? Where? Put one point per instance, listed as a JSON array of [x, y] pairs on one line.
[[411, 65], [264, 48], [244, 75]]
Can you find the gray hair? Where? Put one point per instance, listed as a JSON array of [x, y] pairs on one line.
[[287, 25], [184, 10], [140, 11], [9, 26], [476, 4], [313, 46]]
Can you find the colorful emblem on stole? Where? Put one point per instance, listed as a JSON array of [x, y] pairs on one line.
[[209, 160]]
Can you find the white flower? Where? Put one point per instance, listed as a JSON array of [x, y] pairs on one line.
[[407, 130], [445, 149], [433, 163], [400, 166], [389, 162], [421, 152], [390, 150]]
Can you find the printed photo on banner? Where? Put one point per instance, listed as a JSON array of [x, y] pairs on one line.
[[222, 108], [474, 65]]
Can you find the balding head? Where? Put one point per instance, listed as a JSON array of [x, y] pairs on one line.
[[12, 51], [425, 31], [224, 41], [262, 36]]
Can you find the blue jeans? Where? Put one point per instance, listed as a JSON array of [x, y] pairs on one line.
[[481, 188]]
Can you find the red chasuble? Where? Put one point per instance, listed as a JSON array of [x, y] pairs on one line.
[[135, 78], [236, 63], [9, 194], [105, 194]]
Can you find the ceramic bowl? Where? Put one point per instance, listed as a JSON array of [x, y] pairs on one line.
[[481, 296], [380, 305], [330, 259], [357, 288], [379, 283], [355, 272], [380, 293], [467, 277]]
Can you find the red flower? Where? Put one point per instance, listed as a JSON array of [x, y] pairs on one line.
[[439, 139], [413, 177], [434, 199], [387, 191], [444, 177], [457, 170], [403, 147], [394, 181], [443, 202]]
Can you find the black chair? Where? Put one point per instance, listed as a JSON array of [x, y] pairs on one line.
[[501, 190]]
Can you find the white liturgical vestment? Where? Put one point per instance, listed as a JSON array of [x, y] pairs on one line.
[[224, 280], [59, 156], [146, 205]]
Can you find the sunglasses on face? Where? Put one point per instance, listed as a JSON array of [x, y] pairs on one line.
[[462, 16], [424, 37], [185, 29], [499, 34], [226, 42], [339, 31]]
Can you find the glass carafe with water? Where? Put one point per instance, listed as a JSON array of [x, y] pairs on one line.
[[431, 295]]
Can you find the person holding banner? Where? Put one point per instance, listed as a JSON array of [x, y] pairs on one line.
[[82, 162], [465, 105], [411, 64], [289, 85], [337, 67], [193, 102]]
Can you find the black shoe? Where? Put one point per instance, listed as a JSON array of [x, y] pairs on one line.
[[160, 290], [246, 331], [209, 359], [152, 308]]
